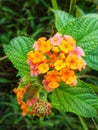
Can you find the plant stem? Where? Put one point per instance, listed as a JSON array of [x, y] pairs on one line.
[[72, 6], [87, 76], [2, 58], [95, 123], [83, 123], [54, 4], [5, 74]]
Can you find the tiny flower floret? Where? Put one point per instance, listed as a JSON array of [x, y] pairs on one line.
[[57, 59]]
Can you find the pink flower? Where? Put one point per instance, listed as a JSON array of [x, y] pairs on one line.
[[66, 37], [34, 72], [35, 45], [29, 62], [46, 86], [56, 40], [32, 101], [74, 83], [78, 51], [33, 69]]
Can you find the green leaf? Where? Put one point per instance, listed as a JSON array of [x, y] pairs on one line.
[[80, 99], [85, 31], [61, 18], [79, 12], [17, 53]]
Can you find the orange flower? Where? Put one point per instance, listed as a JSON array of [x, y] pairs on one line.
[[53, 84], [20, 93], [52, 57], [52, 76], [51, 80], [59, 64], [75, 62], [44, 46], [68, 76], [43, 68], [36, 57], [58, 57], [40, 40], [24, 108], [72, 61]]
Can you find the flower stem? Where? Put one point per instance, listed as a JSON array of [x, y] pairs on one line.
[[54, 4], [72, 6]]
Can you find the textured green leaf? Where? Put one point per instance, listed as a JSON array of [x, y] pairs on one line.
[[85, 31], [17, 53], [79, 12], [80, 99], [61, 18]]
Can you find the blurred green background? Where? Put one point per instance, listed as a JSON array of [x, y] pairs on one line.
[[33, 18]]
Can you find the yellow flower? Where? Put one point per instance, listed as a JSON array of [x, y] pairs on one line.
[[66, 46], [43, 68], [62, 56], [70, 40], [59, 64], [81, 64], [55, 49]]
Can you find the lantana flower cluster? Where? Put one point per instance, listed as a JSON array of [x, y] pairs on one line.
[[33, 106], [57, 59]]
